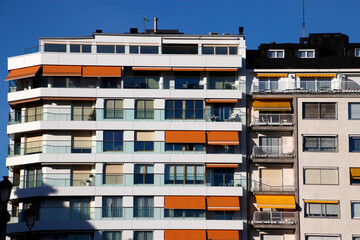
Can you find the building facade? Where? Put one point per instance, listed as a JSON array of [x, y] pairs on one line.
[[304, 129], [129, 136]]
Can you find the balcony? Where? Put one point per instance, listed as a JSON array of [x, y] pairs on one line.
[[276, 185], [273, 152], [273, 120], [274, 219]]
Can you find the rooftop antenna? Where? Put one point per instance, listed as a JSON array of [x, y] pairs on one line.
[[145, 20], [303, 23]]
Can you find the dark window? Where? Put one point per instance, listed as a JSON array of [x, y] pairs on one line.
[[86, 48], [208, 50], [149, 49], [233, 51], [221, 50], [354, 144], [144, 207], [184, 213], [179, 49], [319, 110], [105, 48], [144, 174], [354, 110], [184, 147], [144, 146], [194, 109], [134, 49], [112, 207], [120, 49], [75, 48], [113, 141], [184, 174], [173, 109], [111, 235], [55, 47], [320, 144]]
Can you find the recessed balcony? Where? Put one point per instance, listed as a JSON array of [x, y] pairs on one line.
[[272, 120], [266, 219], [271, 152], [276, 185]]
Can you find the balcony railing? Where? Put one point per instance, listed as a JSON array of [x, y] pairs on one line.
[[274, 218], [273, 152], [128, 179], [273, 185], [273, 120]]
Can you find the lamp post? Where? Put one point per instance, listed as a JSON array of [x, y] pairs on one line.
[[5, 190], [30, 215]]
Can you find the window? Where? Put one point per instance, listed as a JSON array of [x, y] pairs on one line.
[[49, 47], [77, 48], [356, 238], [80, 208], [270, 145], [82, 111], [322, 209], [80, 175], [184, 174], [188, 83], [144, 141], [357, 52], [355, 210], [144, 49], [111, 235], [221, 177], [268, 83], [319, 110], [354, 111], [110, 49], [189, 109], [144, 174], [81, 142], [306, 53], [112, 207], [80, 236], [321, 237], [219, 50], [144, 109], [113, 141], [316, 84], [33, 143], [276, 54], [144, 207], [146, 82], [272, 237], [34, 113], [319, 143], [114, 174], [184, 147], [180, 49], [114, 109], [184, 213], [34, 177], [354, 143], [221, 80], [143, 235], [321, 176]]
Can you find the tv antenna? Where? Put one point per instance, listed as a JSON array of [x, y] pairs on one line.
[[303, 23], [145, 20]]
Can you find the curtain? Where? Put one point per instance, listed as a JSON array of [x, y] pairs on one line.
[[112, 207]]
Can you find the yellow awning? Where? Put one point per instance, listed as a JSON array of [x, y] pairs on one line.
[[272, 105], [318, 201], [276, 201], [316, 75], [271, 75], [355, 173]]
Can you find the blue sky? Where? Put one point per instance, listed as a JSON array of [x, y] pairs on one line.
[[22, 22]]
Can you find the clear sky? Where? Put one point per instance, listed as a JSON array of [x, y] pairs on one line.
[[22, 22]]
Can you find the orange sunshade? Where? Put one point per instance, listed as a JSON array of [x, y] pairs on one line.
[[272, 105], [58, 70], [185, 137], [223, 138], [210, 165], [316, 75], [355, 173], [25, 101], [101, 71], [222, 234], [223, 203], [22, 73], [221, 69], [185, 202], [188, 69], [271, 75], [185, 234], [321, 201], [276, 201], [151, 68], [68, 99], [221, 100]]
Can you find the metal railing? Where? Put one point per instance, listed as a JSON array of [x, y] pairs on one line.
[[276, 218], [273, 120], [128, 179], [273, 152], [273, 185]]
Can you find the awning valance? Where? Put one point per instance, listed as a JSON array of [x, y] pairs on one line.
[[355, 173], [223, 203], [175, 69], [271, 75], [185, 202], [59, 70], [222, 235], [223, 138], [101, 71], [276, 201], [22, 73], [185, 234], [25, 100], [185, 137], [221, 100], [221, 69], [221, 165], [316, 75], [68, 99], [151, 68], [321, 201], [272, 105]]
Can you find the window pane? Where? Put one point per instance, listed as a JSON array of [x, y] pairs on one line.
[[149, 49], [310, 54], [312, 176], [355, 210], [329, 176], [311, 110], [134, 49], [105, 48], [310, 144], [354, 144], [120, 49], [55, 47], [332, 210], [327, 110], [272, 54], [354, 110], [208, 50], [233, 51], [314, 209], [327, 144], [75, 48], [86, 48], [302, 54], [280, 54], [221, 50]]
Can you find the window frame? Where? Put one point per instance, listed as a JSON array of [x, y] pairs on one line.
[[120, 110], [145, 237], [146, 111], [119, 209], [140, 50], [135, 211], [276, 51], [319, 109], [80, 47], [357, 52], [318, 168], [214, 48], [172, 177], [349, 110], [318, 143], [351, 209], [350, 143], [113, 237], [306, 53], [144, 175], [113, 141], [322, 214]]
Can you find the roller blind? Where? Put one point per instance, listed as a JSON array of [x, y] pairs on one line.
[[145, 136], [82, 140]]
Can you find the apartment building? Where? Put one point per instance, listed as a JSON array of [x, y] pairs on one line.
[[129, 136], [303, 139]]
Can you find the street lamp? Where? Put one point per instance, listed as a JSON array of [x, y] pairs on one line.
[[5, 190], [30, 215]]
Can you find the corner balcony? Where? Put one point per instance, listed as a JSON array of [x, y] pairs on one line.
[[273, 154], [281, 220], [273, 185]]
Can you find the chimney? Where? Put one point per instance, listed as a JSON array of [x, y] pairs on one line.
[[241, 30], [98, 31], [155, 24]]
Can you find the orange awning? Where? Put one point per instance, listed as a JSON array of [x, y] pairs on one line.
[[222, 235], [223, 138], [188, 69], [151, 68], [185, 234], [101, 71], [25, 101], [221, 69], [22, 73], [58, 70], [223, 165], [276, 201], [223, 203], [185, 202], [185, 137], [68, 99], [316, 75], [355, 173], [272, 105], [221, 100], [271, 75], [321, 201]]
